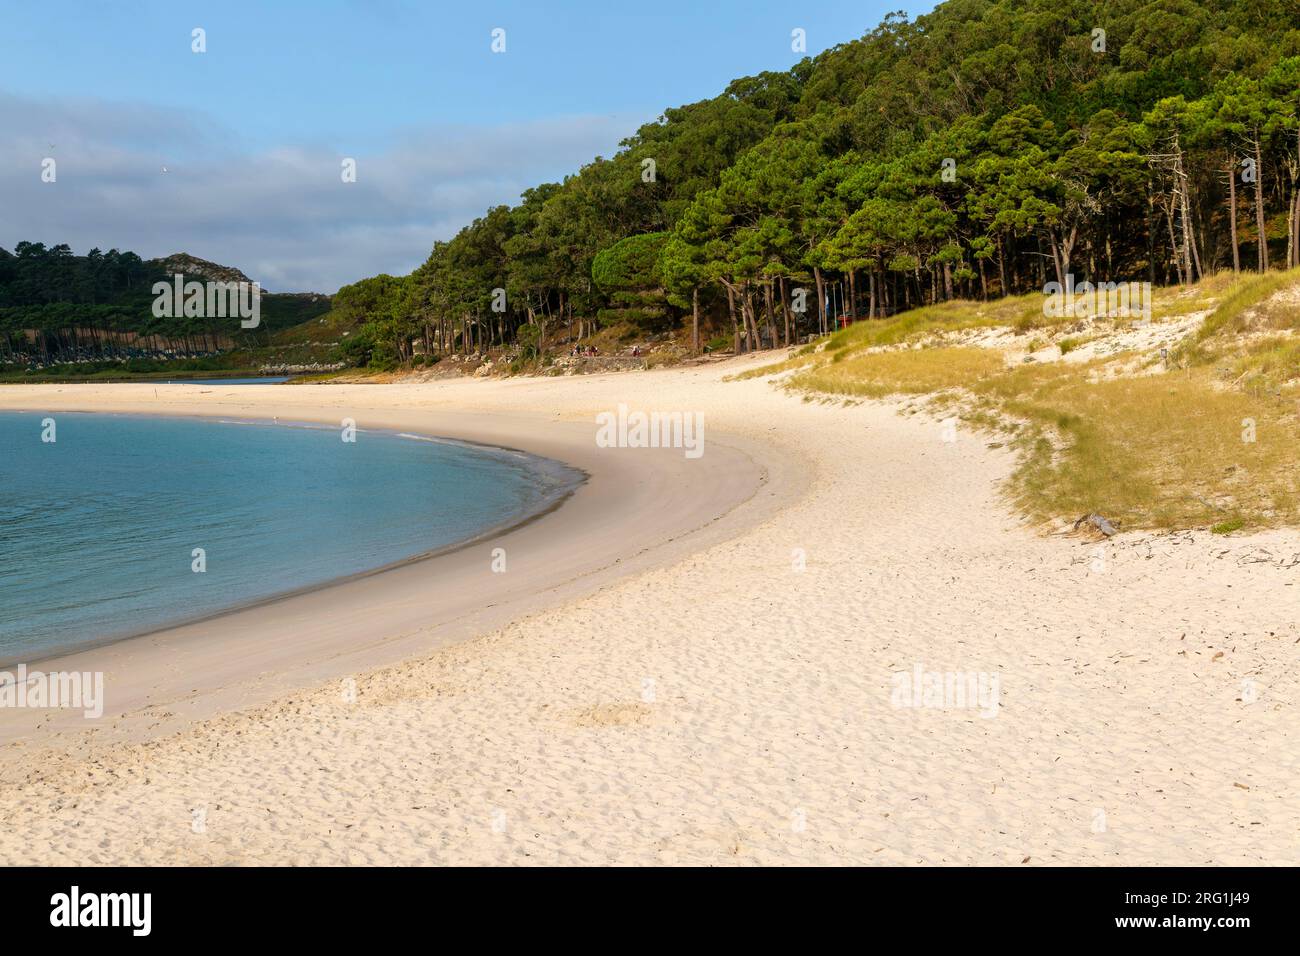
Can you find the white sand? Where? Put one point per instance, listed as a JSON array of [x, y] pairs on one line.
[[709, 703]]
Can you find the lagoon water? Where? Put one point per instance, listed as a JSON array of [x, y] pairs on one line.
[[98, 528]]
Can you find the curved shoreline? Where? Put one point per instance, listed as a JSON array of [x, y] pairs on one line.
[[682, 714], [638, 508], [550, 503]]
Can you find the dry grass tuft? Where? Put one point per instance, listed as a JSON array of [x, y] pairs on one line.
[[911, 371], [1214, 443]]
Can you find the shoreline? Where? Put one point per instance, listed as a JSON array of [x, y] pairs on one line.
[[719, 696], [632, 504], [501, 528]]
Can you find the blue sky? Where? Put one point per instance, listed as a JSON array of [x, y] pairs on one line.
[[251, 132]]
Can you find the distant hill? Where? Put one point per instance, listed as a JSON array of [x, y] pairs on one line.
[[189, 265], [57, 306], [280, 310]]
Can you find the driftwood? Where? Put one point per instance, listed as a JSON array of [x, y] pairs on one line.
[[1098, 522]]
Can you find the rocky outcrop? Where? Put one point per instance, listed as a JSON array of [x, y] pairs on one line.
[[190, 266]]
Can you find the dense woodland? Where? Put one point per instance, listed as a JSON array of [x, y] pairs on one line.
[[57, 307], [978, 151]]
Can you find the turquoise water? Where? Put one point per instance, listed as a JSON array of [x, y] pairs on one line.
[[98, 528]]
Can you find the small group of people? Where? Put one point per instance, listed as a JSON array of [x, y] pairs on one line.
[[580, 350]]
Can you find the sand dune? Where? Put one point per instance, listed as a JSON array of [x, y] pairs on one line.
[[733, 699]]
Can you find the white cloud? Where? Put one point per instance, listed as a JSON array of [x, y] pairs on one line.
[[282, 216]]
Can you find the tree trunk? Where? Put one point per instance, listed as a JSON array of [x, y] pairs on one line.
[[735, 327], [1262, 257], [1290, 225], [1232, 214], [1067, 249], [1295, 226], [1002, 266], [750, 315], [1173, 243], [1151, 236], [1184, 217], [785, 310], [695, 320], [821, 299], [1191, 256], [767, 310], [1294, 239]]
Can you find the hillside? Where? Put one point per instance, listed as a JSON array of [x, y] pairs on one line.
[[94, 313], [188, 265], [977, 152]]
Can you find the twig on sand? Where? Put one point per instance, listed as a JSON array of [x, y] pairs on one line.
[[1098, 522]]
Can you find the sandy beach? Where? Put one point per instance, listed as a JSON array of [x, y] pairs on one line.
[[692, 661]]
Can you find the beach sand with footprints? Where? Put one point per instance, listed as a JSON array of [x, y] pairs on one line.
[[696, 661]]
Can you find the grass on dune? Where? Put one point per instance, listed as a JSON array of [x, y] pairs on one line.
[[1172, 301], [1268, 364], [1159, 451], [1250, 336], [1022, 312], [911, 327], [1175, 450], [802, 359], [1247, 299], [908, 371]]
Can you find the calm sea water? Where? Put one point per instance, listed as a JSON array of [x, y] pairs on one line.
[[98, 528]]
